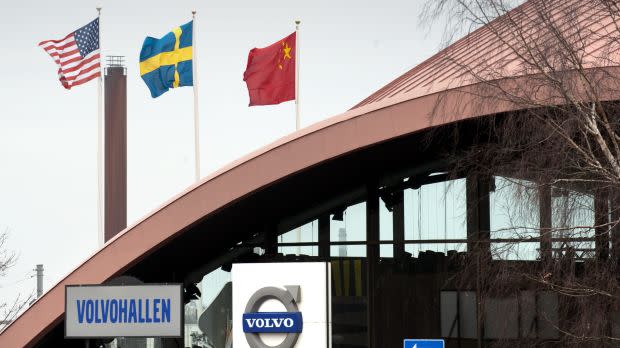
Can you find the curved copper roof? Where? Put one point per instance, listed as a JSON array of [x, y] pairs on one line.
[[497, 51], [401, 108]]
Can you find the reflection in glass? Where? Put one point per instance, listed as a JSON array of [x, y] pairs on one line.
[[386, 230], [308, 250], [215, 322], [458, 314], [501, 318], [349, 303], [352, 220], [194, 337], [514, 213], [307, 233], [436, 211], [348, 251], [208, 319], [572, 217]]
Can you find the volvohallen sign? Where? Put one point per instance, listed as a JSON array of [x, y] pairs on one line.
[[123, 311]]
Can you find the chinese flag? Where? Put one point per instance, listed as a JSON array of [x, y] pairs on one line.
[[270, 74]]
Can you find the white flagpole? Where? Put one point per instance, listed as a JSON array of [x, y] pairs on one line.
[[100, 141], [297, 118], [195, 85]]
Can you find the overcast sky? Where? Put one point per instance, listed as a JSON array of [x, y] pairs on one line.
[[349, 49]]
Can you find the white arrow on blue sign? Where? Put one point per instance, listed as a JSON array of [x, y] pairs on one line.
[[417, 343]]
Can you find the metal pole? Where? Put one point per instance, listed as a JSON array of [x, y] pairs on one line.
[[297, 118], [99, 140], [195, 85], [39, 271]]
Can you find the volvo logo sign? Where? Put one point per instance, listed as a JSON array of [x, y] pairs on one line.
[[268, 314], [289, 322]]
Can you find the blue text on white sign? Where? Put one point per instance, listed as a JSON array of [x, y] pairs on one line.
[[149, 310], [272, 322]]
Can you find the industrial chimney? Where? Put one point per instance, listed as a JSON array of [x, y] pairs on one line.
[[115, 139]]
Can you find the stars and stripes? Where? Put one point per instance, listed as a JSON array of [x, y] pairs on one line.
[[77, 55]]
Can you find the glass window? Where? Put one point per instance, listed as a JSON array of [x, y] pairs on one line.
[[386, 230], [208, 318], [307, 233], [548, 318], [458, 314], [538, 314], [436, 211], [527, 314], [194, 337], [358, 250], [307, 250], [514, 214], [501, 318], [349, 303], [528, 318], [573, 217], [348, 225]]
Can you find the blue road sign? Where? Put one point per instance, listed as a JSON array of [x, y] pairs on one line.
[[417, 343]]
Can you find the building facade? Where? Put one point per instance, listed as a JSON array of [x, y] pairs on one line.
[[377, 193]]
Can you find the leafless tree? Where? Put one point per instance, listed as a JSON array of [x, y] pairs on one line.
[[9, 308], [558, 64]]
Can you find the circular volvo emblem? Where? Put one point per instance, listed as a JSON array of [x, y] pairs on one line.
[[289, 322]]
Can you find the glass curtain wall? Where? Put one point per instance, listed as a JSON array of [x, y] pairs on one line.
[[375, 295]]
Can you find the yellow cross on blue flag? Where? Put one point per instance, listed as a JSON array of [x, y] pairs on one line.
[[167, 62]]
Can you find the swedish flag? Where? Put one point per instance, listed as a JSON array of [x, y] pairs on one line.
[[167, 62]]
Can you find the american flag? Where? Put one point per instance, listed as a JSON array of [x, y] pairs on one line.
[[77, 55]]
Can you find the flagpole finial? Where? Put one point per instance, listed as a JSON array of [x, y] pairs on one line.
[[297, 22], [98, 8], [194, 13]]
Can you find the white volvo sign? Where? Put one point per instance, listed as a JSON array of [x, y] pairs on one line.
[[124, 311], [281, 305]]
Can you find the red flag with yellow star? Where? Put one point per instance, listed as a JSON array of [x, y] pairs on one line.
[[270, 74]]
